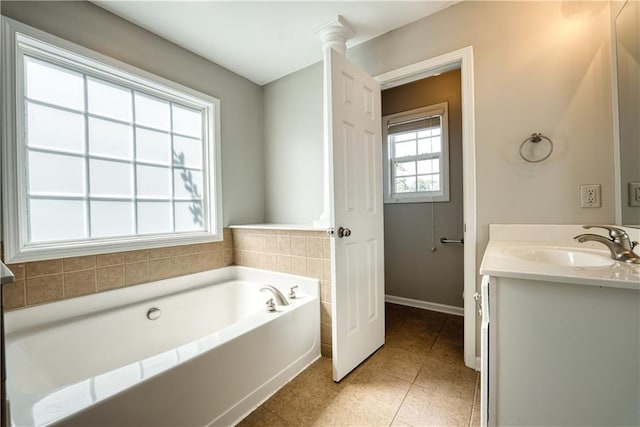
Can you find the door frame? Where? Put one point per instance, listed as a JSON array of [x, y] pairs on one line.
[[462, 59]]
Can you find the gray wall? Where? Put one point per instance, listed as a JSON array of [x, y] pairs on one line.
[[241, 100], [411, 269], [538, 66], [293, 147]]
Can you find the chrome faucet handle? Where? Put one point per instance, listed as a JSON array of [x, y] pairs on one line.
[[292, 292], [614, 232], [271, 306], [617, 235]]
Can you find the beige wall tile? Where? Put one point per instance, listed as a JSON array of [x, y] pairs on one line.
[[326, 350], [110, 277], [298, 246], [238, 257], [160, 253], [256, 242], [315, 248], [79, 263], [136, 273], [227, 257], [284, 263], [271, 262], [326, 269], [44, 289], [325, 333], [79, 283], [326, 248], [17, 270], [135, 256], [284, 245], [325, 291], [241, 241], [198, 262], [299, 265], [227, 243], [215, 260], [325, 312], [315, 268], [40, 268], [185, 250], [162, 268], [14, 295], [180, 265], [271, 244], [109, 259]]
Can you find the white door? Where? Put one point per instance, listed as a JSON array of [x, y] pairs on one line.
[[355, 159]]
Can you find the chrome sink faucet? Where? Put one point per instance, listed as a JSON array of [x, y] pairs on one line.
[[618, 243], [280, 299]]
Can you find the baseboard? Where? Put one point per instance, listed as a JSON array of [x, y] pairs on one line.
[[478, 364], [425, 305]]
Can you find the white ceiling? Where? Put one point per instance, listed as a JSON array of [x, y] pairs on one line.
[[265, 40]]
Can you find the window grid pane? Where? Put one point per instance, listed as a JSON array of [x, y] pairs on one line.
[[416, 157], [188, 173]]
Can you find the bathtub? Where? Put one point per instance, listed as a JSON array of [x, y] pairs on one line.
[[212, 356]]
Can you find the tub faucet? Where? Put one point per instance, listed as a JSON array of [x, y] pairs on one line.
[[280, 299], [618, 243]]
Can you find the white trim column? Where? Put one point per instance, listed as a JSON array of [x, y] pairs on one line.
[[333, 35]]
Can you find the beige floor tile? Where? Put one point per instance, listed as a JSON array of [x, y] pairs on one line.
[[377, 390], [346, 410], [424, 407], [395, 362], [263, 418], [446, 351], [448, 379], [397, 423], [418, 342], [421, 346], [453, 330], [300, 402]]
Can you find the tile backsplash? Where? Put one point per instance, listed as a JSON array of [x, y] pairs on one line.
[[304, 253], [52, 280]]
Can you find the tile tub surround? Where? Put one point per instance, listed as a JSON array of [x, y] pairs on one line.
[[288, 250], [418, 378], [41, 282]]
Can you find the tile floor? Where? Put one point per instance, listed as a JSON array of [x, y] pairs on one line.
[[417, 378]]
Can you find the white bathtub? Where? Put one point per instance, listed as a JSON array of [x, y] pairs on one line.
[[213, 355]]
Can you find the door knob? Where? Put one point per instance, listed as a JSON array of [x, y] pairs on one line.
[[343, 232]]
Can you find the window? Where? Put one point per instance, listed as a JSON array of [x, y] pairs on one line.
[[102, 156], [416, 166]]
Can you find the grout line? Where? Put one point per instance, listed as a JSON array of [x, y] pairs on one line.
[[473, 403]]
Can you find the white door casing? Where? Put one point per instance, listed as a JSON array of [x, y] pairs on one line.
[[355, 154]]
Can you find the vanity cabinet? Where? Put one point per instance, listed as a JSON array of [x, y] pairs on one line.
[[562, 353]]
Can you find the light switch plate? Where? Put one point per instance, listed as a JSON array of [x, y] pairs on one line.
[[634, 194]]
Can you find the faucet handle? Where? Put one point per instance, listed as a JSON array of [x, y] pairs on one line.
[[614, 232], [271, 306], [292, 292]]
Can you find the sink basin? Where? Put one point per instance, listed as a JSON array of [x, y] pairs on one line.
[[565, 257]]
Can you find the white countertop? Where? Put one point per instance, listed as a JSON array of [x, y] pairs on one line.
[[512, 253]]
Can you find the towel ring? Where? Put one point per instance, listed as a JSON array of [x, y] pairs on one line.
[[534, 139]]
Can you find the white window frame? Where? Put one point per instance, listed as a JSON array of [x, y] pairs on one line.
[[18, 38], [390, 196]]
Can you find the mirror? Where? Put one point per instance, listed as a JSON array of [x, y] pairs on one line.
[[627, 33]]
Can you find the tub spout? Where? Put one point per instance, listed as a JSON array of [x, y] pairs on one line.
[[280, 299]]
